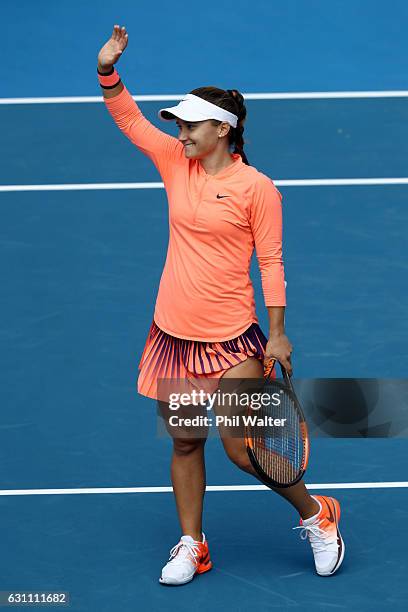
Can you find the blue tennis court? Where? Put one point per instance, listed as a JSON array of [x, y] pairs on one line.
[[85, 492]]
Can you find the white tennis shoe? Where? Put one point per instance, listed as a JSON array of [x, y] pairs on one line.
[[187, 558], [324, 535]]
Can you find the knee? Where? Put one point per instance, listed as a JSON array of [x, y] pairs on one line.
[[183, 448]]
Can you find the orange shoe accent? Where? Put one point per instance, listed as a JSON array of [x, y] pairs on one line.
[[204, 563], [330, 512]]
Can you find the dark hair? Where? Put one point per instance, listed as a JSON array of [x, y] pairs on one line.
[[232, 101]]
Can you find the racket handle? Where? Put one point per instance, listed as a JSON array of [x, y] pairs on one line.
[[287, 377], [269, 367], [268, 370]]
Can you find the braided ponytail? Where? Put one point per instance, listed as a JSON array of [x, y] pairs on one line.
[[233, 101], [237, 133]]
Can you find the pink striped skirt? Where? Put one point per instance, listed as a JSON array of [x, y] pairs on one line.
[[191, 363]]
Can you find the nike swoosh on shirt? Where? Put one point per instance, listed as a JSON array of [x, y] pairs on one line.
[[224, 196]]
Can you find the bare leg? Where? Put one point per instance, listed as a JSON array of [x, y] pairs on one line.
[[187, 476], [297, 495]]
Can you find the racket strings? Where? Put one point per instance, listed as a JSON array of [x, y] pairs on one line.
[[279, 449]]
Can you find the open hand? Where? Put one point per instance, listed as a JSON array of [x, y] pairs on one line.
[[113, 49]]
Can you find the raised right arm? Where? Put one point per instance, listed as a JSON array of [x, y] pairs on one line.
[[162, 149]]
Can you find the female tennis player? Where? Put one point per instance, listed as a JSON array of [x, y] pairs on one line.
[[205, 325]]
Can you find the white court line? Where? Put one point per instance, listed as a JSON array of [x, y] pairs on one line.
[[306, 95], [81, 186], [100, 490], [278, 183]]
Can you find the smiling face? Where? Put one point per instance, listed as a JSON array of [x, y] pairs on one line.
[[201, 138]]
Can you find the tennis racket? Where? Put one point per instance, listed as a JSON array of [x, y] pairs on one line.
[[278, 453]]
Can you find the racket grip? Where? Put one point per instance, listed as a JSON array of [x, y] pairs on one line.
[[269, 367]]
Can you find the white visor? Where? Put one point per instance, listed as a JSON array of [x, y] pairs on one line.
[[194, 108]]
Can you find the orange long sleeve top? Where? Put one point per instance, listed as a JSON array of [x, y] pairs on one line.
[[205, 290]]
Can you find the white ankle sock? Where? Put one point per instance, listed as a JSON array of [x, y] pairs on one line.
[[312, 519]]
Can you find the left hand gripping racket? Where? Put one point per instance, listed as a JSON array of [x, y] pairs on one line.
[[278, 453]]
